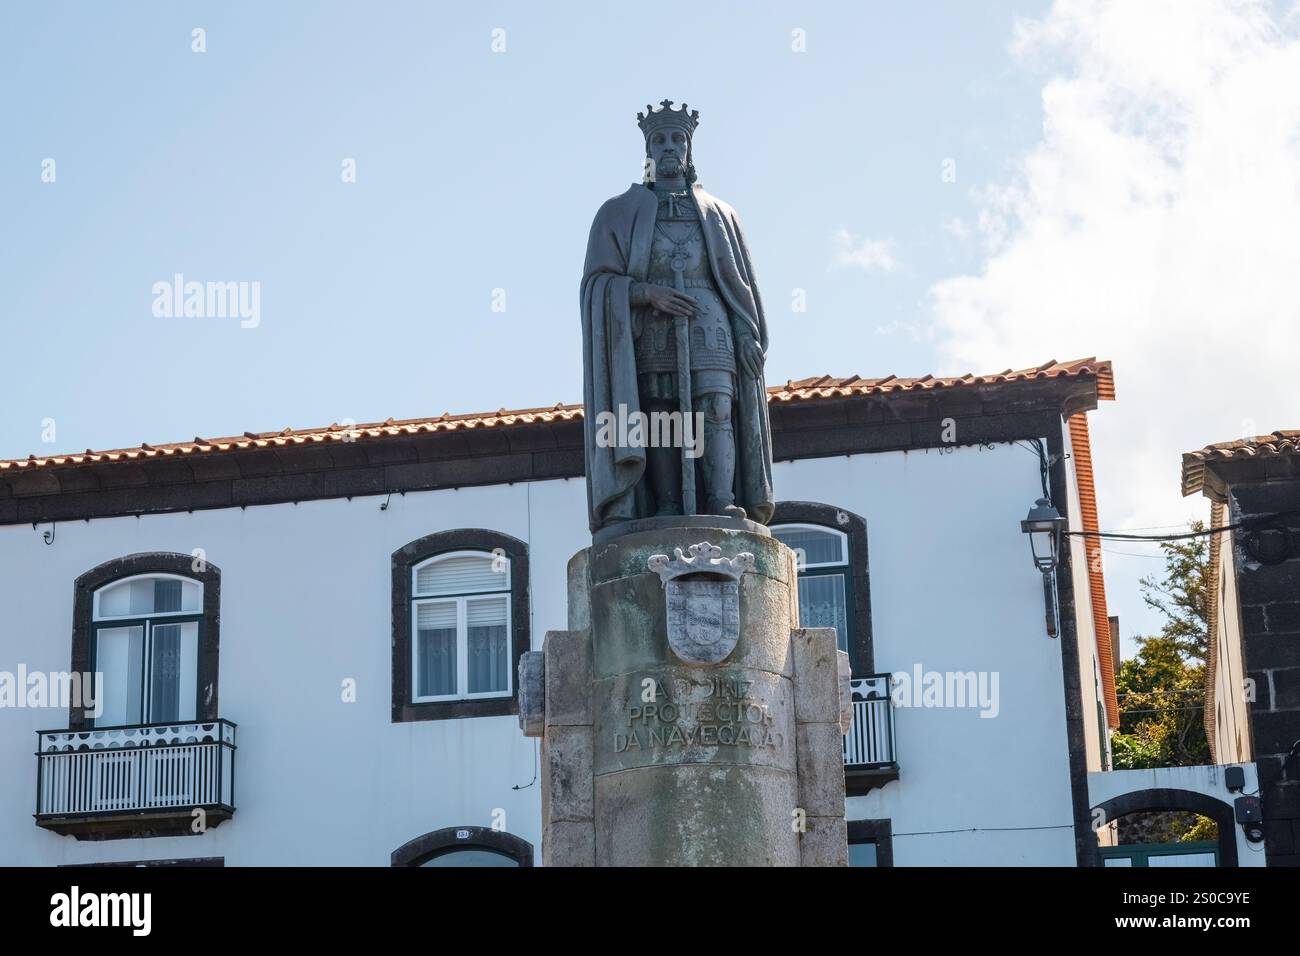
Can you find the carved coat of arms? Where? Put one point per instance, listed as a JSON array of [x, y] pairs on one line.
[[703, 598]]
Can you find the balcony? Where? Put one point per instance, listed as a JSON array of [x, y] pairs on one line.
[[869, 757], [145, 780]]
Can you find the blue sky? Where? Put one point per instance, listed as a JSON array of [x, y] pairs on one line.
[[475, 171], [480, 170]]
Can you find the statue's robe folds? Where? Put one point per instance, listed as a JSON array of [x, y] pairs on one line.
[[618, 255]]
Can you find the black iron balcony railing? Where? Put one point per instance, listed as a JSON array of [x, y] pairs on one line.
[[155, 771], [870, 741]]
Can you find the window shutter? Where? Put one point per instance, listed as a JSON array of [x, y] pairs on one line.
[[435, 617], [464, 574], [489, 612]]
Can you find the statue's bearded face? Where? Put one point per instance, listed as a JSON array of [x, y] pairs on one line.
[[667, 149]]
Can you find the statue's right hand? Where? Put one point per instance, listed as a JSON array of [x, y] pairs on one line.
[[670, 301]]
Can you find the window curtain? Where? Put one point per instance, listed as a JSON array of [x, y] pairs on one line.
[[435, 650], [165, 663], [166, 595], [822, 604], [487, 646]]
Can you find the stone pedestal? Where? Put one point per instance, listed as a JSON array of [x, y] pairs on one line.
[[665, 743]]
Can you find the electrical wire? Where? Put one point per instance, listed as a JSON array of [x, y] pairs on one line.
[[1035, 446], [1062, 826], [1252, 522]]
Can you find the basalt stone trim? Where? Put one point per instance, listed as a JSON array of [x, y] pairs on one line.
[[1163, 798], [178, 863], [424, 848], [153, 562], [1285, 682], [1085, 839], [1272, 588], [404, 559], [1275, 731], [879, 832], [1270, 622], [855, 526], [794, 438], [1266, 476], [1277, 770]]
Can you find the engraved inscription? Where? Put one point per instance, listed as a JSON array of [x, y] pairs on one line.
[[699, 712]]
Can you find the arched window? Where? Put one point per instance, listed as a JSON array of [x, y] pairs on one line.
[[830, 545], [460, 623], [823, 561], [465, 846], [145, 642], [460, 616], [149, 623]]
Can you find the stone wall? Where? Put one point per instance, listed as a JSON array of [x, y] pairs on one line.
[[1270, 626]]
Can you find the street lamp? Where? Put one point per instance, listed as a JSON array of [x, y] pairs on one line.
[[1044, 524]]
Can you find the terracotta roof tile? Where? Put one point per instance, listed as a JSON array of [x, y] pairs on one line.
[[825, 386], [807, 389], [1081, 447], [1279, 443]]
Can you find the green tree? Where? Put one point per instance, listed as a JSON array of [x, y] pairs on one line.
[[1181, 595], [1161, 691]]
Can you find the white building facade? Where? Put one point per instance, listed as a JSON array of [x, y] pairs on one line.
[[308, 640]]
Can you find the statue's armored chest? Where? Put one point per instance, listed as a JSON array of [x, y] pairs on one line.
[[678, 242], [679, 259]]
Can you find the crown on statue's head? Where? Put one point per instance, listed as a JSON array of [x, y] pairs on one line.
[[655, 119]]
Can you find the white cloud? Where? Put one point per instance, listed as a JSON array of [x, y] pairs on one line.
[[1156, 223], [956, 227], [870, 255]]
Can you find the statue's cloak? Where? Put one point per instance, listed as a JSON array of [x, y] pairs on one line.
[[618, 254]]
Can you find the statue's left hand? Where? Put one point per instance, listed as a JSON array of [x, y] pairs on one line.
[[752, 356]]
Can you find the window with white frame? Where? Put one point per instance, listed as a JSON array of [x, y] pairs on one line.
[[822, 555], [460, 624], [145, 643]]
